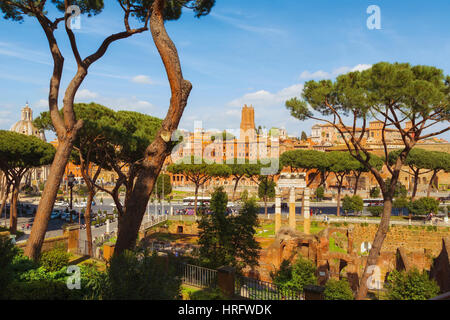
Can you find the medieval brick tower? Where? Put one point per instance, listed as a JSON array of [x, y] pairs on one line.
[[248, 119]]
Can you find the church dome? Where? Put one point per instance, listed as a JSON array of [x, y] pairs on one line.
[[26, 126]]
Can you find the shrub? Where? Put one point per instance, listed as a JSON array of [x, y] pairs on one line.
[[375, 211], [297, 276], [338, 290], [54, 259], [424, 206], [41, 290], [320, 192], [7, 253], [412, 285], [354, 203], [139, 276], [207, 294]]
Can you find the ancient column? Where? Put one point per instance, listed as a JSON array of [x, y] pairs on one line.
[[277, 210], [292, 223], [306, 213]]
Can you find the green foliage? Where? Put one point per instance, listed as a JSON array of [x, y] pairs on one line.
[[305, 159], [375, 211], [54, 259], [419, 159], [400, 190], [401, 203], [354, 203], [228, 240], [167, 185], [412, 285], [15, 10], [375, 192], [41, 290], [424, 206], [21, 151], [244, 195], [198, 171], [207, 294], [266, 188], [7, 253], [320, 192], [108, 137], [296, 276], [338, 290], [304, 136], [140, 276]]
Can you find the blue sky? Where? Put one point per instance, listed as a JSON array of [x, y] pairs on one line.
[[252, 52]]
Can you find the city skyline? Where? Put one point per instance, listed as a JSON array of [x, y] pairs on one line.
[[248, 59]]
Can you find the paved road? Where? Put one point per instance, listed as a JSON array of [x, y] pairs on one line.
[[55, 225]]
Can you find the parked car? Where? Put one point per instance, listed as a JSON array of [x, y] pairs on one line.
[[61, 203], [55, 214]]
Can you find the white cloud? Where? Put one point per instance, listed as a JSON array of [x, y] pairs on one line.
[[142, 79], [43, 103], [265, 98], [85, 94], [306, 75], [237, 23]]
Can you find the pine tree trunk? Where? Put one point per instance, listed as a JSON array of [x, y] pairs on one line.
[[376, 247], [416, 182], [161, 147], [37, 236], [265, 206], [235, 188], [5, 198], [195, 201], [430, 185], [356, 184], [13, 208], [87, 221], [339, 201]]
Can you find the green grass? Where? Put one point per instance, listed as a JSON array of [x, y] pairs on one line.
[[270, 229], [334, 247]]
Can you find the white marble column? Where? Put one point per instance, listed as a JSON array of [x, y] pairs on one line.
[[277, 210]]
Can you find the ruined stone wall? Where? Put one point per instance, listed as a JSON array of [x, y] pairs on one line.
[[413, 239], [50, 243]]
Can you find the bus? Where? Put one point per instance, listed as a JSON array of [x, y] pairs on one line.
[[373, 202], [190, 201]]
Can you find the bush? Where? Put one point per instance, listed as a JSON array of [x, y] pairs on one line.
[[297, 276], [41, 290], [7, 253], [207, 294], [320, 192], [354, 204], [375, 211], [424, 206], [338, 290], [139, 276], [54, 259], [412, 285]]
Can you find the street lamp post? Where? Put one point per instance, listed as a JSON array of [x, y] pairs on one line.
[[70, 181]]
